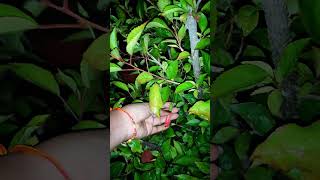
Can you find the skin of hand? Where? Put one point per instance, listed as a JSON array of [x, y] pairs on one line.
[[122, 127], [214, 154]]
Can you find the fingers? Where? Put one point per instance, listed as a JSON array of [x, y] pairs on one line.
[[162, 119], [157, 129]]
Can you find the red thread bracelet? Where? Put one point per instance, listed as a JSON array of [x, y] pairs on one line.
[[134, 135]]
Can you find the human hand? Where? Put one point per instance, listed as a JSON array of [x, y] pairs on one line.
[[215, 151], [146, 123]]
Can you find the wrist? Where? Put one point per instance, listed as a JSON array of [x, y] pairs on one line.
[[126, 123]]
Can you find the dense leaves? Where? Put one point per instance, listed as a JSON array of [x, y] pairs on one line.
[[151, 61]]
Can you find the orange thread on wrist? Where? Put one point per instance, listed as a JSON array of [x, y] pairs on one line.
[[134, 135]]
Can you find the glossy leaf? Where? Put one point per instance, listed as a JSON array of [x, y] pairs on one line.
[[201, 109], [96, 54], [172, 69], [183, 55], [289, 58], [225, 134], [113, 39], [256, 115], [68, 81], [155, 101], [121, 85], [184, 86], [157, 23], [144, 77], [203, 43], [165, 93], [274, 102], [114, 67], [133, 37], [15, 24], [203, 167], [203, 22], [186, 160], [37, 75], [291, 147], [11, 11], [310, 17], [247, 19], [237, 78], [162, 4]]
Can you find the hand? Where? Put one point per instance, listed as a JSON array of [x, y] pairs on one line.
[[146, 123], [214, 154]]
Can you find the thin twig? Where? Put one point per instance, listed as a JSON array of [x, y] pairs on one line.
[[69, 108], [61, 26], [138, 69], [82, 21], [240, 49]]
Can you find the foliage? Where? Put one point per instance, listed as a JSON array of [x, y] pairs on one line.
[[151, 61], [253, 95], [41, 98]]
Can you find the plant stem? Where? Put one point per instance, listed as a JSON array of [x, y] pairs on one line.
[[61, 26], [138, 69], [82, 21], [69, 108]]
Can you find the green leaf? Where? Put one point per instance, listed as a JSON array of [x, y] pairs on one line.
[[168, 10], [178, 147], [262, 65], [222, 57], [78, 36], [121, 85], [162, 4], [144, 77], [183, 55], [274, 102], [157, 23], [155, 101], [115, 54], [172, 69], [256, 115], [203, 167], [182, 32], [185, 160], [68, 81], [116, 168], [166, 147], [203, 22], [11, 11], [165, 93], [96, 54], [309, 12], [237, 78], [185, 176], [201, 109], [187, 67], [113, 39], [87, 124], [247, 19], [260, 173], [15, 24], [25, 134], [289, 58], [135, 146], [203, 43], [253, 51], [184, 86], [242, 145], [37, 75], [291, 147], [114, 67], [133, 37], [225, 134]]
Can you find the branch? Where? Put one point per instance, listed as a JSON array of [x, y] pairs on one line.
[[138, 69], [82, 21], [62, 26]]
